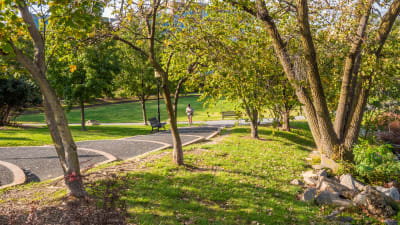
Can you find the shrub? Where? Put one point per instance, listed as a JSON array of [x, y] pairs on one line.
[[15, 95], [376, 163]]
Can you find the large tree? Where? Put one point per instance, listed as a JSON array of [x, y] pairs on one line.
[[55, 21], [85, 74], [366, 34], [146, 28]]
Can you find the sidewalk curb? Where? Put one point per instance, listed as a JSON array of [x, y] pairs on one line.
[[18, 174]]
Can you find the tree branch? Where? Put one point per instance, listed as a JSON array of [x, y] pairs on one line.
[[130, 44], [387, 24]]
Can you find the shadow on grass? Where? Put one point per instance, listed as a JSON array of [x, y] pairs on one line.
[[298, 138], [204, 198], [15, 139]]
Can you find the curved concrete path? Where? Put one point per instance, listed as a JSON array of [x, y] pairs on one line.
[[38, 163]]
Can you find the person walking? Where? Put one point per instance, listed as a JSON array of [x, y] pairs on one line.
[[189, 112]]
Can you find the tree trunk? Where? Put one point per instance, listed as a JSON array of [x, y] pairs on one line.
[[254, 124], [177, 154], [82, 105], [143, 103], [253, 116], [350, 71], [286, 118], [55, 115]]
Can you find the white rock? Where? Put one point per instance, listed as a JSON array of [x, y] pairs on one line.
[[390, 192], [326, 184], [310, 173], [348, 181], [360, 199]]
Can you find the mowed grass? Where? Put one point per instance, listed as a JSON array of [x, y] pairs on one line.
[[237, 181], [132, 112], [12, 136]]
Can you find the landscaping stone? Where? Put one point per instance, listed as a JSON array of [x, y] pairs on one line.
[[322, 173], [309, 194], [390, 192], [377, 203], [297, 182], [390, 222], [326, 184], [310, 174], [360, 186], [360, 199], [331, 198], [348, 181], [310, 181]]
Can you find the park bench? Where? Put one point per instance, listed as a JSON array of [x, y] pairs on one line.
[[229, 114], [156, 124]]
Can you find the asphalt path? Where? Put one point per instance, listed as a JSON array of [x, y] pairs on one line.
[[40, 163]]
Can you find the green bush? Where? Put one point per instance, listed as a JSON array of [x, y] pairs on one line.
[[376, 163]]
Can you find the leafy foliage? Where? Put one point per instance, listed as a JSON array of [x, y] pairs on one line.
[[376, 163], [15, 95]]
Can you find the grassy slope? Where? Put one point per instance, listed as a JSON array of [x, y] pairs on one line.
[[239, 181], [40, 136], [132, 112]]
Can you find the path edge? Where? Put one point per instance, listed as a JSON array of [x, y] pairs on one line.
[[19, 176]]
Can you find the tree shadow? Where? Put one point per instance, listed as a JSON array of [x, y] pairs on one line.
[[298, 138]]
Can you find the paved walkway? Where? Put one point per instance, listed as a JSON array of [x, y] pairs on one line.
[[208, 123], [38, 163]]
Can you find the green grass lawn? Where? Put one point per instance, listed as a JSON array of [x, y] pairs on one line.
[[238, 181], [41, 136], [132, 112]]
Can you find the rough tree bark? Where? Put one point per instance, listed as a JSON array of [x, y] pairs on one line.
[[354, 91], [55, 115], [286, 119]]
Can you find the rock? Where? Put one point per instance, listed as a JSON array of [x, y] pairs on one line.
[[310, 174], [331, 198], [310, 181], [345, 219], [309, 194], [390, 192], [348, 181], [322, 173], [297, 182], [390, 222], [92, 122], [360, 186], [326, 184], [348, 194], [360, 199], [377, 203]]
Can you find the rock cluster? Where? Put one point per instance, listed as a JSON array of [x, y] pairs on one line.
[[345, 191]]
